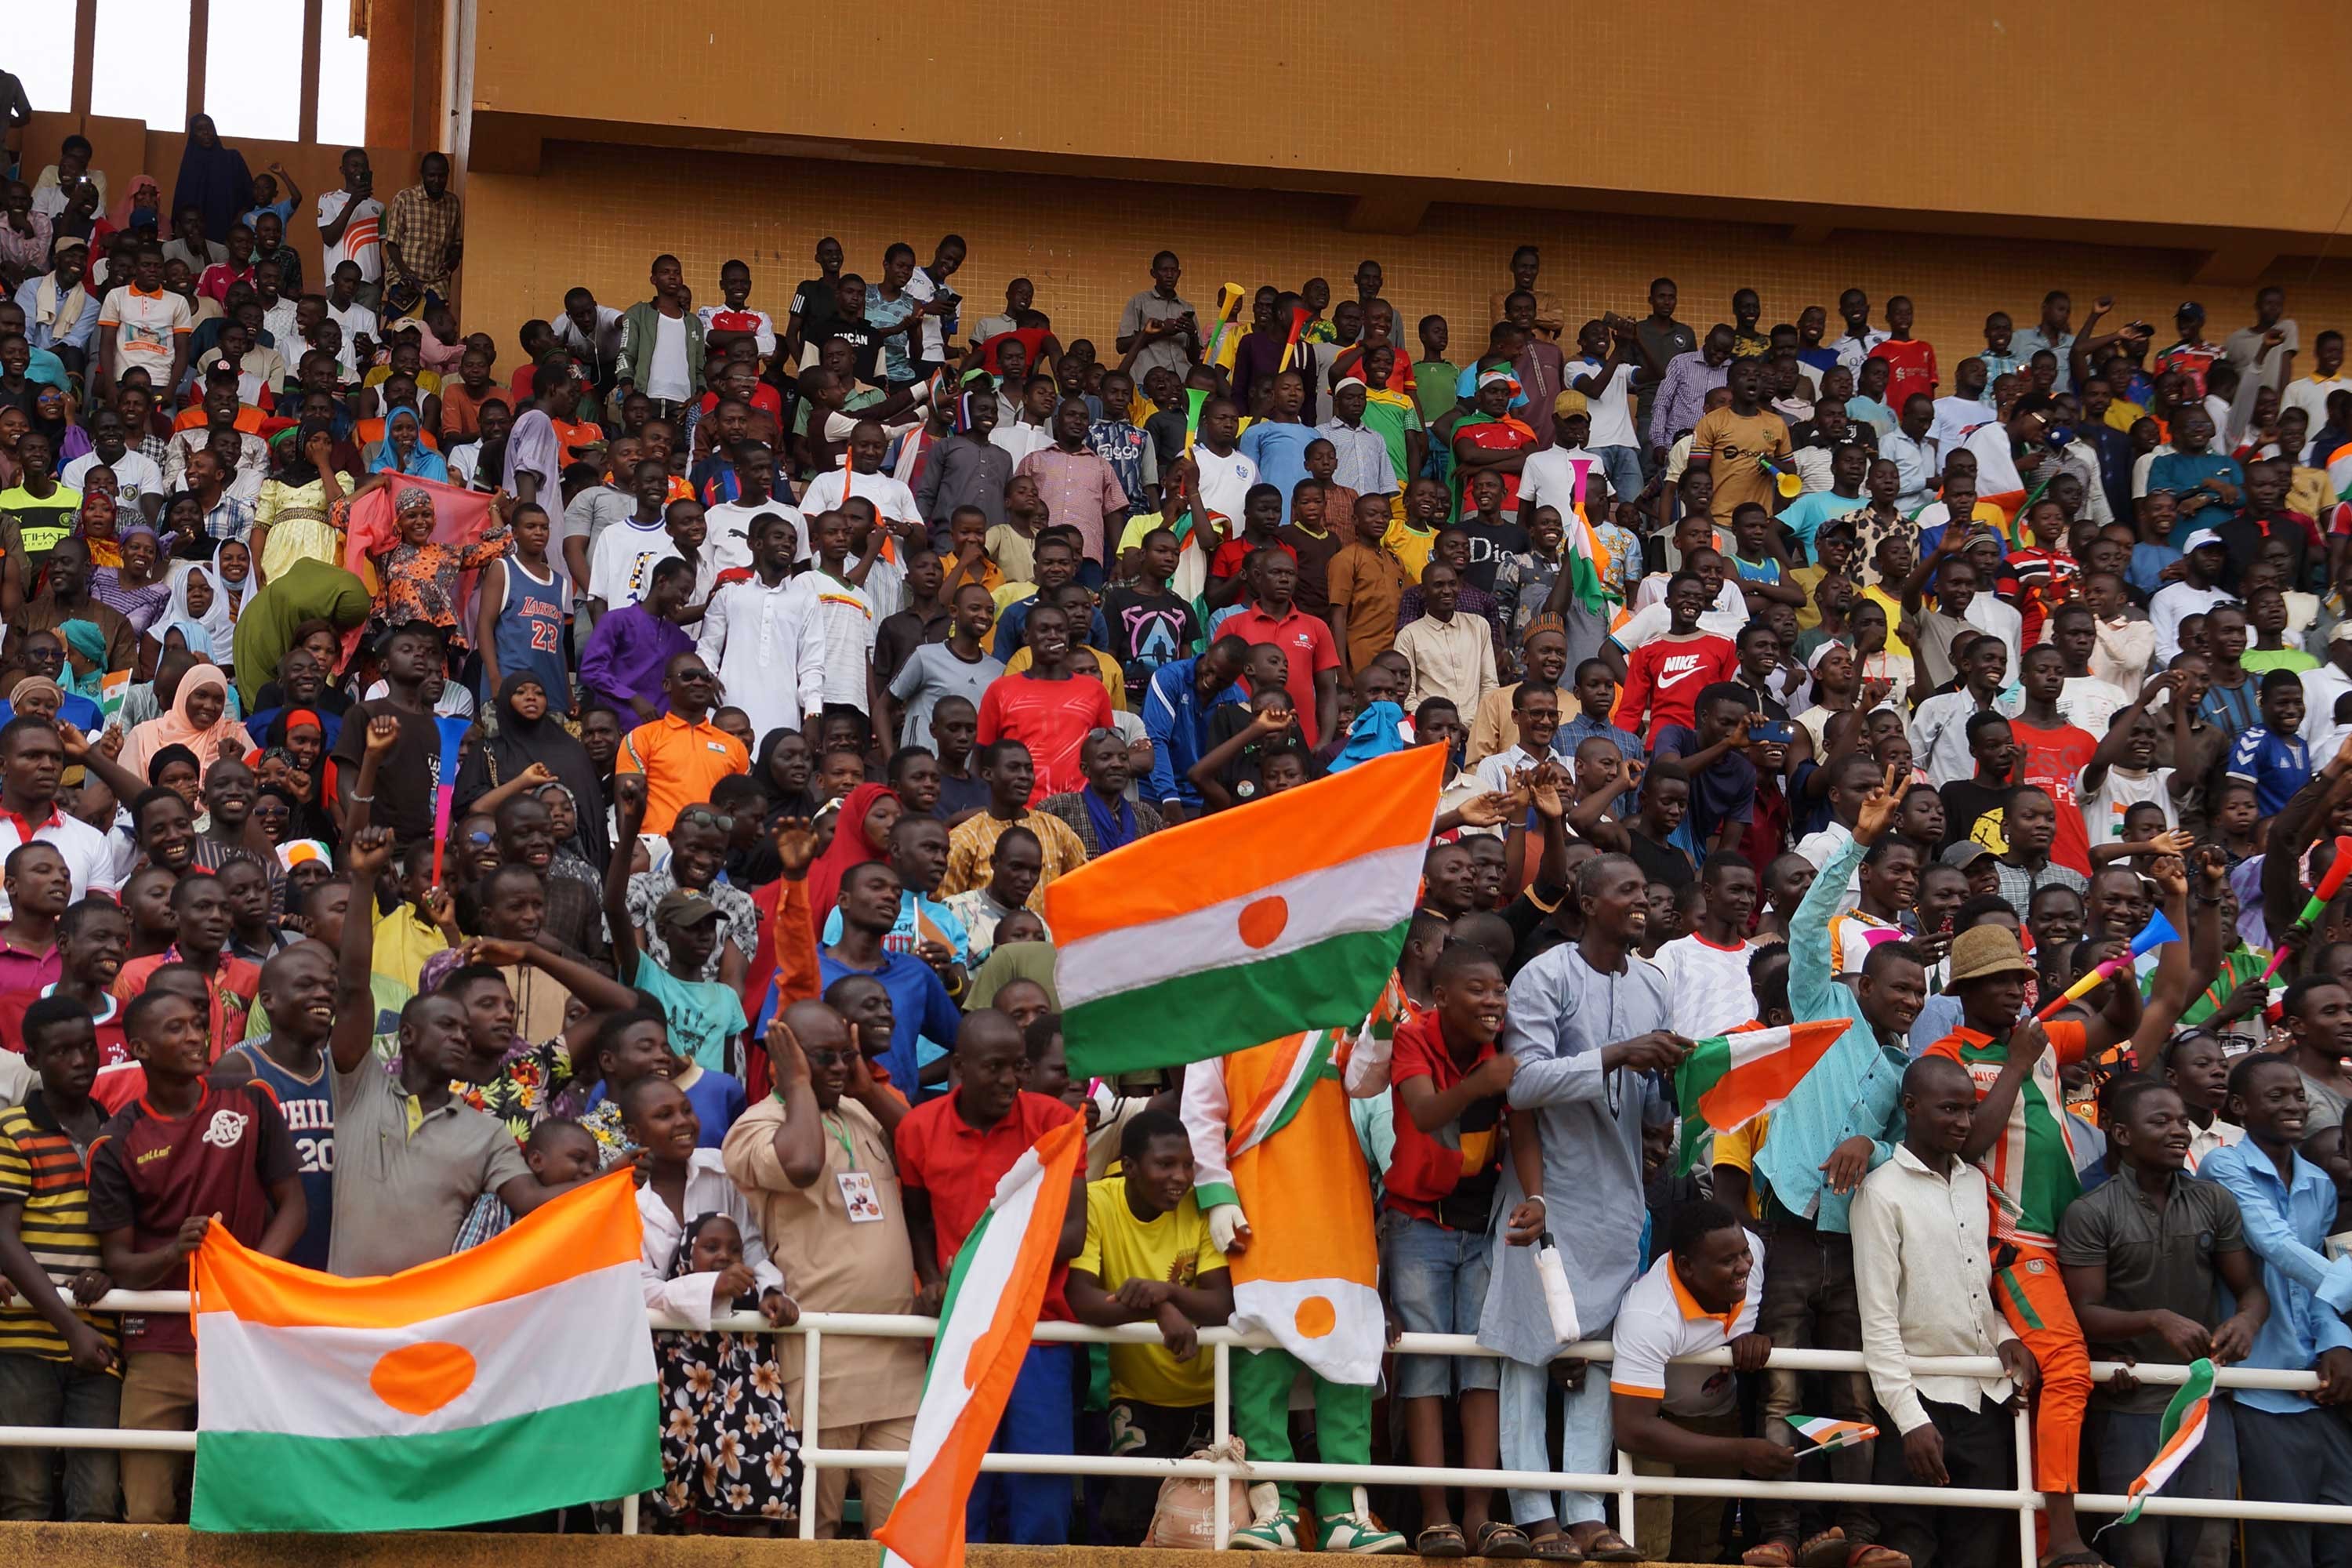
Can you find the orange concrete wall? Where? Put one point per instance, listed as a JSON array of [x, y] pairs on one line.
[[1980, 111], [598, 215], [126, 148]]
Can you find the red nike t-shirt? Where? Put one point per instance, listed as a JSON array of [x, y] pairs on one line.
[[2054, 759], [1663, 677]]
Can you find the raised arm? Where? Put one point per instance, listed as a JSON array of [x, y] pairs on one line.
[[354, 1035], [629, 804]]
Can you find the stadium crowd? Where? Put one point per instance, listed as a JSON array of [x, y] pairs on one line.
[[769, 656]]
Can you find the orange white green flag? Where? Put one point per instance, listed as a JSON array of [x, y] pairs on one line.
[[428, 1398], [993, 1295], [1222, 933], [1826, 1432], [2176, 1437], [1733, 1078]]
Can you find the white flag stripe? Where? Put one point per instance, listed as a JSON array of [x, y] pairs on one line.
[[1753, 1045], [1372, 893], [970, 1315], [1308, 1057], [1350, 1354], [582, 1337]]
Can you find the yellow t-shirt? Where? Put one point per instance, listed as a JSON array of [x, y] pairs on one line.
[[1894, 608], [1737, 1149], [1412, 545], [1174, 1247]]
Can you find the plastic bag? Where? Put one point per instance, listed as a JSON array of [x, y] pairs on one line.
[[1186, 1514]]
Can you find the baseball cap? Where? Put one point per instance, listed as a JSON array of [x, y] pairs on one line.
[[1964, 853], [2189, 308], [1490, 377], [684, 906], [1982, 951], [2199, 539]]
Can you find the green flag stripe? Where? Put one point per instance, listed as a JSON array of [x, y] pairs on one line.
[[1330, 985], [590, 1450]]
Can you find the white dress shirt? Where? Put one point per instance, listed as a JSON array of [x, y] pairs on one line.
[[707, 1191], [767, 648], [1925, 1284]]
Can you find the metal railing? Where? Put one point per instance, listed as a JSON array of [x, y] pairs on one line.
[[1622, 1482]]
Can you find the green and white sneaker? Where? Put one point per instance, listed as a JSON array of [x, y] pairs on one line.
[[1358, 1533], [1272, 1527]]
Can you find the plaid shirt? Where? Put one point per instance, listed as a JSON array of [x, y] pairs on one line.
[[232, 519], [422, 229]]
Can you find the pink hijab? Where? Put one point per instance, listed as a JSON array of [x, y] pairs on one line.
[[224, 737], [118, 216]]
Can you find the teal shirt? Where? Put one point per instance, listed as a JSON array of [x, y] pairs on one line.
[[703, 1015], [1855, 1090], [1806, 514]]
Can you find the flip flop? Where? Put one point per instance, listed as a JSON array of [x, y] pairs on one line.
[[1499, 1541], [1560, 1547], [1441, 1540], [1608, 1546]]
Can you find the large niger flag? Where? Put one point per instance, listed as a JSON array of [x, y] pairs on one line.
[[509, 1380], [1281, 915], [995, 1290]]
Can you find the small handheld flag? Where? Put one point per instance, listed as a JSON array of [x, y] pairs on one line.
[[1827, 1433], [2153, 935], [2176, 1437], [1734, 1078], [2329, 886]]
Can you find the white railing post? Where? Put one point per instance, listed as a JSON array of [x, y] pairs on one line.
[[2029, 1496], [811, 1434], [629, 1514], [1221, 1428], [1627, 1507]]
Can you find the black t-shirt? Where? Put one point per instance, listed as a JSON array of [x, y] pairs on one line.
[[862, 336], [817, 306], [1965, 800], [958, 797], [405, 781], [1488, 545], [1659, 862], [1148, 631]]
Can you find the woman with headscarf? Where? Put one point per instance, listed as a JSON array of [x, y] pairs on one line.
[[528, 734], [199, 720], [100, 515], [564, 818], [861, 832], [196, 594], [293, 516], [85, 670], [403, 450], [135, 590], [233, 575], [37, 696], [213, 178]]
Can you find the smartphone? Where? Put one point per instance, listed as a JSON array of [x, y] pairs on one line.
[[1780, 734]]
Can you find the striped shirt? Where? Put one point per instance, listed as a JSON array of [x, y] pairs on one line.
[[2030, 1169], [41, 1170]]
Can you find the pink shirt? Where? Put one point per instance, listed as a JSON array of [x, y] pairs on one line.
[[1079, 489], [25, 971]]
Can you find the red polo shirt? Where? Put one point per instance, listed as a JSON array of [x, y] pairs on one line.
[[1305, 641], [958, 1165]]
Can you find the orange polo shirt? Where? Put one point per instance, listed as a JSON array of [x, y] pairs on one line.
[[681, 761]]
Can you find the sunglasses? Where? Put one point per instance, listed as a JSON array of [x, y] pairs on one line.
[[703, 816], [832, 1058]]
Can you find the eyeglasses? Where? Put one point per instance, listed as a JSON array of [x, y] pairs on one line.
[[703, 816], [481, 838], [830, 1058]]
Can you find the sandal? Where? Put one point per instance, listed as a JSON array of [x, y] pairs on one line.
[[2084, 1558], [1498, 1539], [1441, 1540], [1772, 1554], [1828, 1549], [1870, 1554], [1605, 1546], [1560, 1547]]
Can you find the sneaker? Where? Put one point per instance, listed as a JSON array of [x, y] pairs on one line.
[[1360, 1534], [1272, 1527]]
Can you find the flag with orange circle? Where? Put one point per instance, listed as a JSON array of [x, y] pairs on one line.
[[1283, 915], [510, 1379]]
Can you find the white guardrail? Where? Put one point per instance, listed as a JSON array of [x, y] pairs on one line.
[[1220, 1343]]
